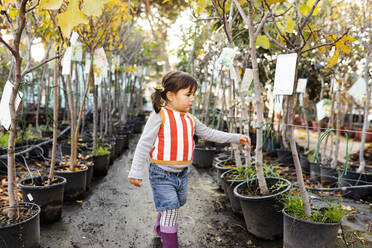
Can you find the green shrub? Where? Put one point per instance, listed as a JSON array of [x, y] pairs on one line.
[[100, 151], [294, 206]]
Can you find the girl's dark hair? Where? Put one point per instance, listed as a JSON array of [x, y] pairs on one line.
[[173, 82]]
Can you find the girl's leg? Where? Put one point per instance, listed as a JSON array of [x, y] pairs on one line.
[[169, 227]]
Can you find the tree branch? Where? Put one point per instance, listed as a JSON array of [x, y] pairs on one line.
[[33, 7], [8, 46], [303, 24], [275, 41], [326, 44], [39, 65]]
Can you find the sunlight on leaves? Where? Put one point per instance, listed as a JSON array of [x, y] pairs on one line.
[[71, 18], [51, 4], [263, 41], [93, 7]]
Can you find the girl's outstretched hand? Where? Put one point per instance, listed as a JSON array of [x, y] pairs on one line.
[[136, 182], [244, 139]]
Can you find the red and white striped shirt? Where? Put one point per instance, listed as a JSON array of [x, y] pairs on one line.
[[174, 143]]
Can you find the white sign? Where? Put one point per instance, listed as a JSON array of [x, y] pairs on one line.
[[77, 52], [278, 103], [74, 38], [285, 74], [358, 90], [323, 109], [247, 79], [100, 59], [5, 118], [66, 62], [227, 57], [301, 85]]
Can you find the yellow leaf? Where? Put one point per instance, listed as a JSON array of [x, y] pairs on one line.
[[271, 2], [263, 41], [322, 50], [93, 7], [333, 60], [290, 25], [304, 9], [164, 1], [13, 12], [72, 17], [51, 4], [79, 201]]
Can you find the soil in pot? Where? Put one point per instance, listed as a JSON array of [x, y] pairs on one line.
[[203, 157], [262, 214], [76, 181], [48, 197], [25, 232]]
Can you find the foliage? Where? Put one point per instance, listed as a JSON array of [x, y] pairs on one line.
[[100, 151], [293, 206]]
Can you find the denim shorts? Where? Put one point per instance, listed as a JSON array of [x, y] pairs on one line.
[[168, 188]]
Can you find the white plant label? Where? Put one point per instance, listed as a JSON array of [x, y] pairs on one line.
[[247, 79], [323, 109], [233, 74], [77, 52], [358, 90], [285, 74], [74, 38], [278, 103], [5, 118], [66, 62], [87, 64], [100, 59], [301, 85], [29, 196], [227, 57]]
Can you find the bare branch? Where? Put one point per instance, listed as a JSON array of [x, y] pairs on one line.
[[41, 64], [262, 22], [303, 24], [8, 46], [326, 44], [33, 7], [275, 41]]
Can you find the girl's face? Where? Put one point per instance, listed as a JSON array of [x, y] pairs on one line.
[[182, 100]]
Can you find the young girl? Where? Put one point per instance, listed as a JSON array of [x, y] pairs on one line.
[[168, 140]]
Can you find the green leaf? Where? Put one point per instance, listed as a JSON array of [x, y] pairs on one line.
[[263, 41]]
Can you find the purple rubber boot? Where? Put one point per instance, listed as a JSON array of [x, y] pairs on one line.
[[169, 236], [157, 225]]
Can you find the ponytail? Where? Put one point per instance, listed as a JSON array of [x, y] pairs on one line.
[[156, 98]]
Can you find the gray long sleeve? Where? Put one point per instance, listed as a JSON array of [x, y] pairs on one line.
[[214, 135], [150, 133]]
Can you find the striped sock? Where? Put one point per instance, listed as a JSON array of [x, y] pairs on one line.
[[168, 221]]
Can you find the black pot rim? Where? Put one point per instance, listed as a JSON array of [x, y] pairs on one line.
[[265, 197], [71, 172], [309, 222], [99, 156], [210, 148], [64, 181], [230, 180], [27, 220]]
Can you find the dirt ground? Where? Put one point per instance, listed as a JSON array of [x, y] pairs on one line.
[[116, 214]]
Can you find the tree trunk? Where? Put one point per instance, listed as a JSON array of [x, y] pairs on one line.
[[95, 116], [259, 108], [55, 121], [72, 123]]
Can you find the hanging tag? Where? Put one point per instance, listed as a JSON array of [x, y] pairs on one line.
[[66, 62], [100, 58], [5, 118], [358, 90], [285, 74], [247, 79], [74, 38], [323, 109], [301, 85], [29, 196], [77, 52], [227, 57]]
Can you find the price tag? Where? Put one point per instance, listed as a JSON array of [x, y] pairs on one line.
[[5, 118], [285, 74]]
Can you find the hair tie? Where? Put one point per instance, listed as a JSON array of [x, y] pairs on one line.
[[159, 88]]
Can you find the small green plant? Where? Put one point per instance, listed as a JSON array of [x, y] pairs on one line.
[[4, 140], [100, 151], [242, 173], [46, 128], [294, 206], [310, 155]]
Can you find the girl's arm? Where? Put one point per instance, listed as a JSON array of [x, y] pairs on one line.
[[144, 146], [214, 135]]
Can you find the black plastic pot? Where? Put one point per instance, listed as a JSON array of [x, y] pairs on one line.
[[262, 214], [119, 145], [220, 169], [328, 175], [229, 186], [90, 176], [76, 183], [314, 172], [306, 234], [304, 163], [25, 234], [285, 157], [357, 179], [203, 157], [66, 149], [49, 198], [101, 165]]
